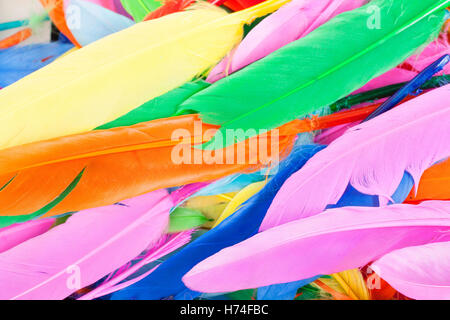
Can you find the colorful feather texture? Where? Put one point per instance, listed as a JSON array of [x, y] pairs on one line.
[[86, 248], [138, 9], [415, 133], [418, 272], [242, 102], [292, 21], [434, 184], [99, 168], [242, 224], [36, 107], [334, 241]]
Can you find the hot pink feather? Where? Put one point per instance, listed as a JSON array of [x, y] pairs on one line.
[[91, 244], [372, 157], [291, 22], [17, 233], [334, 241], [419, 272]]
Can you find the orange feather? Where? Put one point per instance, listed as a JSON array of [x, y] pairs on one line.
[[118, 164]]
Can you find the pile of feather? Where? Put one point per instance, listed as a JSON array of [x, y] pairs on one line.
[[351, 202]]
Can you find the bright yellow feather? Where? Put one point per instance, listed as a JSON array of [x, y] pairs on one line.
[[240, 198], [351, 283], [112, 76]]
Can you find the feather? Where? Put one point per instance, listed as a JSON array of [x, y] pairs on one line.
[[239, 199], [434, 184], [16, 38], [292, 21], [99, 168], [95, 22], [182, 219], [243, 102], [55, 10], [78, 251], [415, 133], [350, 283], [165, 246], [119, 65], [140, 8], [418, 272], [16, 63], [334, 241], [163, 106], [285, 291], [16, 234], [168, 7], [166, 280], [244, 223]]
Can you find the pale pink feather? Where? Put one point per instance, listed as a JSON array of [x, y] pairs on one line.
[[419, 272], [334, 241], [17, 233], [291, 22], [372, 157], [90, 245]]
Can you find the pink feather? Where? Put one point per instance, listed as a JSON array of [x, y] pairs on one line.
[[372, 157], [167, 244], [17, 233], [394, 76], [91, 244], [291, 22], [420, 272], [334, 241]]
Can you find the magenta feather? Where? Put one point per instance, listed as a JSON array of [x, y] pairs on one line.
[[167, 244], [419, 272], [334, 241], [372, 157], [17, 233], [90, 245], [291, 22]]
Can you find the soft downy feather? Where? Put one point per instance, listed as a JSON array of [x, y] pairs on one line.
[[292, 21], [334, 241], [418, 272], [90, 245], [415, 133], [100, 167], [36, 107], [298, 71]]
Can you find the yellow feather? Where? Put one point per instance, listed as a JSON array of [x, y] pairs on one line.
[[240, 198], [350, 283], [210, 206], [112, 76]]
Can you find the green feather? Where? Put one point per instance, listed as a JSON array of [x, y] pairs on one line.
[[138, 9], [317, 70], [163, 106], [182, 219]]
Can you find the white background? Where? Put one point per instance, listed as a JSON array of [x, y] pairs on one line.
[[22, 9]]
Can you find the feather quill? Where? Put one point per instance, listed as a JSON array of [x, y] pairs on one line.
[[242, 101], [416, 133], [418, 272], [334, 241], [36, 107], [89, 245]]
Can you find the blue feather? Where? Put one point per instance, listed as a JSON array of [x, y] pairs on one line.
[[18, 62]]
